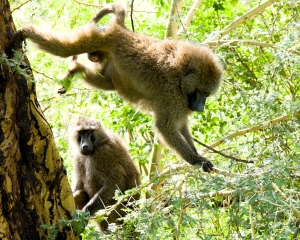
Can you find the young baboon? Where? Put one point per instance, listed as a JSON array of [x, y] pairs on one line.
[[102, 165], [171, 78], [98, 71]]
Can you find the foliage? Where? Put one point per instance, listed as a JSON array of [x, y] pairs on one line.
[[77, 224], [254, 117]]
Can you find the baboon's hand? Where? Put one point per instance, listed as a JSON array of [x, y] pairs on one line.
[[73, 64], [206, 165], [61, 90], [15, 42]]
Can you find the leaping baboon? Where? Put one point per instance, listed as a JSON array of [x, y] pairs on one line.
[[102, 165], [171, 78]]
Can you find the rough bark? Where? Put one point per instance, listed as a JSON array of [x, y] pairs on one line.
[[34, 188]]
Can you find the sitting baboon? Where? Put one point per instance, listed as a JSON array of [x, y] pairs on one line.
[[171, 78], [102, 165]]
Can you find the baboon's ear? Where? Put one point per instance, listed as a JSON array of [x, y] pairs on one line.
[[189, 83]]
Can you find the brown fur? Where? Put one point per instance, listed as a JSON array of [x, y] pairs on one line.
[[98, 72], [160, 76], [81, 198], [99, 173]]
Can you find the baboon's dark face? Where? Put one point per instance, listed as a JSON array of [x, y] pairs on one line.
[[86, 140], [197, 101], [196, 90]]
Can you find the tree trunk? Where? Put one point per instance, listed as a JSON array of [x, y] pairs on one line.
[[34, 188]]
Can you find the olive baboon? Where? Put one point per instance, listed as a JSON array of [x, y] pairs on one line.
[[102, 165], [98, 71], [171, 78]]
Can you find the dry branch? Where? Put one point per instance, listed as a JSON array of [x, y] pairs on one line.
[[246, 16], [172, 25], [239, 42], [216, 194], [247, 130], [235, 42], [189, 16], [295, 211], [252, 225]]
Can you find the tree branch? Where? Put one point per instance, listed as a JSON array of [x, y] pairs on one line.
[[236, 42], [131, 15], [247, 130], [87, 4], [189, 16], [295, 211], [239, 42], [244, 17], [172, 25]]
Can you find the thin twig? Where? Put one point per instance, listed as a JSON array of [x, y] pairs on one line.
[[246, 16], [131, 15], [43, 74], [183, 168], [223, 154], [20, 6], [88, 4]]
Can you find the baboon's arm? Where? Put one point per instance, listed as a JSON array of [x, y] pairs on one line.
[[95, 79], [101, 199], [83, 40], [92, 75], [180, 140]]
